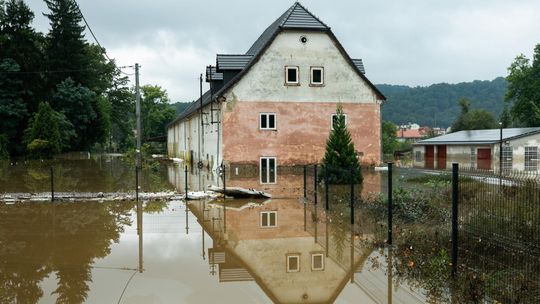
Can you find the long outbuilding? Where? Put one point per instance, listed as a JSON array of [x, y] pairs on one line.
[[480, 149]]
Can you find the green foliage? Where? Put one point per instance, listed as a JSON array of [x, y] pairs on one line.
[[156, 111], [435, 105], [180, 107], [476, 119], [43, 135], [389, 141], [13, 113], [122, 114], [4, 153], [340, 163], [524, 89]]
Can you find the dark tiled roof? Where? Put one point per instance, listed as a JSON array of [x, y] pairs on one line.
[[212, 74], [489, 136], [296, 17], [232, 62], [359, 65]]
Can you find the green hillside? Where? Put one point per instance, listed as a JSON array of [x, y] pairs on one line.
[[436, 105]]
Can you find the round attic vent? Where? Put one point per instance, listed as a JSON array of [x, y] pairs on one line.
[[303, 39]]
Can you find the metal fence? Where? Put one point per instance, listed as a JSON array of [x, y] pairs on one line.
[[461, 235]]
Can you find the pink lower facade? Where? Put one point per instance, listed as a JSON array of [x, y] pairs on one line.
[[302, 129]]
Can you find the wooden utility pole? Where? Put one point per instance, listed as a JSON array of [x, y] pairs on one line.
[[138, 115]]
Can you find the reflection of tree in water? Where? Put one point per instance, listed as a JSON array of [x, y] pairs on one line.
[[63, 238]]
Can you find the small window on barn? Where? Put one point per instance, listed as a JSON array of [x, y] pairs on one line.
[[473, 157], [507, 158], [268, 170], [418, 156], [291, 75], [317, 76], [293, 263], [531, 158], [317, 261], [267, 121], [268, 219], [334, 120]]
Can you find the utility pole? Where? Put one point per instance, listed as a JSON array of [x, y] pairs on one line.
[[138, 114], [199, 162]]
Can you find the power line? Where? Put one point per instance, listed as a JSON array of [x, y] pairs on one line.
[[97, 41]]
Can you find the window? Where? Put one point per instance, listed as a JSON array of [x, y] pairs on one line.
[[418, 156], [268, 219], [473, 157], [334, 120], [293, 263], [531, 158], [291, 75], [268, 170], [317, 261], [507, 158], [267, 121], [317, 76]]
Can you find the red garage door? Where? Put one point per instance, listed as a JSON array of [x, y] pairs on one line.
[[430, 157], [483, 159], [441, 157]]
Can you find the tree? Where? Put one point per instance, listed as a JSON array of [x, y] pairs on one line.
[[477, 119], [524, 89], [156, 111], [122, 113], [66, 49], [389, 137], [13, 111], [43, 134], [340, 163]]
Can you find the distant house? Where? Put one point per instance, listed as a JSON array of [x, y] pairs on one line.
[[413, 135], [479, 149], [275, 104]]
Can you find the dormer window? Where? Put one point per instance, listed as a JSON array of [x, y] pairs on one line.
[[291, 75], [317, 76]]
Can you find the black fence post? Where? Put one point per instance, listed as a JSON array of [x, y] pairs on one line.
[[352, 196], [455, 194], [305, 182], [315, 184], [326, 187], [52, 184], [390, 204], [185, 180], [224, 179]]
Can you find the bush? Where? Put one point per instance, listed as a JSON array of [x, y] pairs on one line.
[[40, 148]]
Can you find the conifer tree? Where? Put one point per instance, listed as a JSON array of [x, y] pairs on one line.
[[43, 134], [340, 162], [66, 47]]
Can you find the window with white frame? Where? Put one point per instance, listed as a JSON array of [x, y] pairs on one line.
[[531, 158], [268, 219], [291, 75], [473, 157], [267, 121], [293, 263], [317, 261], [507, 158], [268, 170], [334, 120], [418, 156], [317, 76]]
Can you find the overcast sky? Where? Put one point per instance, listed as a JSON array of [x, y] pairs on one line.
[[401, 42]]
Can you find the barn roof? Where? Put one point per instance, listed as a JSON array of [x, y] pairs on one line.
[[476, 137]]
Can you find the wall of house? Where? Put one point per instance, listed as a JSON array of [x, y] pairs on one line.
[[460, 154], [518, 151], [303, 111]]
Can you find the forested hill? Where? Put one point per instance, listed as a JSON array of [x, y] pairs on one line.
[[437, 104]]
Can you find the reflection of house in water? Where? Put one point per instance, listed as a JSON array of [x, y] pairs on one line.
[[271, 242], [291, 186]]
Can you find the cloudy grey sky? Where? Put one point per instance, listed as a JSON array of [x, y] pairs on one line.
[[415, 42]]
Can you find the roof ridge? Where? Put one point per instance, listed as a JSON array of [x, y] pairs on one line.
[[289, 12], [298, 4]]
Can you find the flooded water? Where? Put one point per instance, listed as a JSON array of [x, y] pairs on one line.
[[278, 250]]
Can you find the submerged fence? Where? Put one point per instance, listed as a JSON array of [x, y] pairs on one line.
[[464, 235]]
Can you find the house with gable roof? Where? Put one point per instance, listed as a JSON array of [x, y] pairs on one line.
[[275, 105]]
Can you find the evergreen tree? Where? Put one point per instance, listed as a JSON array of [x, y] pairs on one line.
[[66, 47], [43, 134], [13, 111], [340, 162], [389, 137], [122, 113]]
